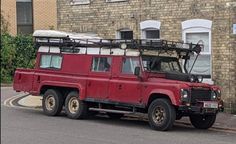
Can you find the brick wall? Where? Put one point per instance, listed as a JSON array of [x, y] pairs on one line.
[[8, 9], [44, 14], [106, 18]]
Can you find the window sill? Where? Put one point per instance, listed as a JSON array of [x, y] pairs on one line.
[[80, 3], [113, 1]]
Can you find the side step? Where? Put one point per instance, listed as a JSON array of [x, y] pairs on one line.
[[111, 111]]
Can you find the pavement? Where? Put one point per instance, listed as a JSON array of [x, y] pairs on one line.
[[224, 121]]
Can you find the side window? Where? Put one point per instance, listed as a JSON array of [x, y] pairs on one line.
[[101, 64], [129, 65], [51, 61]]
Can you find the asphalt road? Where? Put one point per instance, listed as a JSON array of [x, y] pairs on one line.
[[24, 126]]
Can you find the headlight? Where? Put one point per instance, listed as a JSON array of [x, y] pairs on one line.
[[213, 95], [199, 78], [184, 95]]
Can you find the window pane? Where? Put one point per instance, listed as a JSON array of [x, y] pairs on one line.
[[56, 62], [152, 34], [50, 61], [129, 65], [45, 61], [24, 12], [102, 64], [24, 29], [202, 65], [195, 37], [126, 34]]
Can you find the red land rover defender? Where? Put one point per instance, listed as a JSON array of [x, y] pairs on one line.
[[85, 74]]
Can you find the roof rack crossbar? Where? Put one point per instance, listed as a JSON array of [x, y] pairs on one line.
[[138, 44]]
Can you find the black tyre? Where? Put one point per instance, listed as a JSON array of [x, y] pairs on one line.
[[115, 115], [202, 121], [52, 102], [75, 108], [161, 114]]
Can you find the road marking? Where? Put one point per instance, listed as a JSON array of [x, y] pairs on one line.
[[9, 102]]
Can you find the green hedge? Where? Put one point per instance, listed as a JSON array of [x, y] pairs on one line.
[[16, 52]]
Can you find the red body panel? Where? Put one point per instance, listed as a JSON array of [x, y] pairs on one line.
[[114, 86]]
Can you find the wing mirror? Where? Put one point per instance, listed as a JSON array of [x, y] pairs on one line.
[[137, 71]]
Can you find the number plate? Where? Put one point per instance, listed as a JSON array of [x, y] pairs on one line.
[[210, 104]]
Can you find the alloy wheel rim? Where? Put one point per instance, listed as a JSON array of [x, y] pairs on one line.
[[73, 105], [50, 102], [159, 115]]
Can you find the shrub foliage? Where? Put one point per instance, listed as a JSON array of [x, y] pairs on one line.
[[16, 52]]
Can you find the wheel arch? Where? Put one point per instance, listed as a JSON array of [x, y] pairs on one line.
[[157, 95], [63, 89]]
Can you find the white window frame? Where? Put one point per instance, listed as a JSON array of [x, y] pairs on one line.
[[118, 34], [149, 25], [80, 2], [199, 26]]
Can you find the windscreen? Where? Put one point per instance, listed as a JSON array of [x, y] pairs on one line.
[[161, 64]]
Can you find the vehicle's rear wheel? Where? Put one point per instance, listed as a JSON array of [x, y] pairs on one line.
[[74, 107], [161, 114], [202, 121], [115, 115], [52, 102]]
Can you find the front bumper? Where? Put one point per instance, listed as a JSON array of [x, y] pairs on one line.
[[199, 109]]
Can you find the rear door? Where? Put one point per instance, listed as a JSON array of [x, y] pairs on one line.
[[125, 87], [99, 77]]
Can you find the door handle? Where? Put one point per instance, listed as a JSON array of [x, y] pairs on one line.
[[38, 79]]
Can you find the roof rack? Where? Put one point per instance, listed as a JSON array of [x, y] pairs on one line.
[[72, 42]]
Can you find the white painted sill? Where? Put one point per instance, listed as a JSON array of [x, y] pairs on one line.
[[80, 2], [113, 1]]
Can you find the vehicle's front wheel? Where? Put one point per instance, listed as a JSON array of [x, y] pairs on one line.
[[202, 121], [161, 114], [52, 102], [74, 107]]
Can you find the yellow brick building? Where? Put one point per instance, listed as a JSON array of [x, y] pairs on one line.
[[211, 21], [25, 16]]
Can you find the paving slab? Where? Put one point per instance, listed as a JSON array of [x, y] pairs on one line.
[[31, 101]]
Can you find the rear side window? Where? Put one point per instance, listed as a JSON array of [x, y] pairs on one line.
[[51, 61], [129, 65], [101, 64]]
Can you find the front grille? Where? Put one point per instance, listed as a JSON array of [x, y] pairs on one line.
[[200, 95]]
